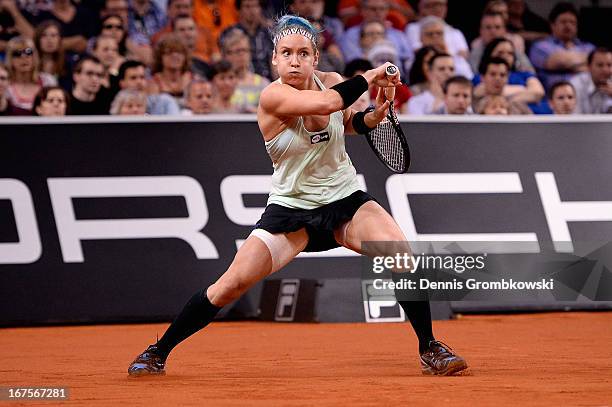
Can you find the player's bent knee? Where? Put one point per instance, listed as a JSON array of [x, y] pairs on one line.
[[224, 292]]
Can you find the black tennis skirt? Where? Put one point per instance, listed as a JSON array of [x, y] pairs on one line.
[[320, 223]]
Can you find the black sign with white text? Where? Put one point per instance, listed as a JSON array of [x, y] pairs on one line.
[[108, 221]]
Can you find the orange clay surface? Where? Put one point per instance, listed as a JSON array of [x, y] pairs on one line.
[[551, 359]]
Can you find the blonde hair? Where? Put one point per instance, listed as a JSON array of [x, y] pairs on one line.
[[125, 95], [21, 42], [487, 101]]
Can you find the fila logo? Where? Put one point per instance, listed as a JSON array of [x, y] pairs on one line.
[[380, 305], [287, 299], [319, 138]]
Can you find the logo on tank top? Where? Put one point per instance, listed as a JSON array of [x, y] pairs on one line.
[[319, 138]]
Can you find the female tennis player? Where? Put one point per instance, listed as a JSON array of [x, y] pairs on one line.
[[315, 203]]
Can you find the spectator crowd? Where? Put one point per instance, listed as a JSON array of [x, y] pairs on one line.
[[194, 57]]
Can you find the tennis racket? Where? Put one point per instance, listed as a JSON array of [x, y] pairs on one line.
[[388, 141]]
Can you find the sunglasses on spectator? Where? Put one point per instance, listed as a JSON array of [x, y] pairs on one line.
[[111, 26], [19, 52]]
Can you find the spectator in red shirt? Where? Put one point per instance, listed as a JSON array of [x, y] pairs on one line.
[[400, 13]]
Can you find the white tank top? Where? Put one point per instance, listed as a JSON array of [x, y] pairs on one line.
[[311, 169]]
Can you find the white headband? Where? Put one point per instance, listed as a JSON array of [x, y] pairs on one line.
[[294, 30]]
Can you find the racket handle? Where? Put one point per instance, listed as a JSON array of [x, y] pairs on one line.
[[391, 70]]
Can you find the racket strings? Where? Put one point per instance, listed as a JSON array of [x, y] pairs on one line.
[[386, 142]]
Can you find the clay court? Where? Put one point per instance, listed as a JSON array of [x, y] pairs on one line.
[[549, 359]]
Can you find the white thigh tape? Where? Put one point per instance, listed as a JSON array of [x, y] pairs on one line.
[[279, 245]]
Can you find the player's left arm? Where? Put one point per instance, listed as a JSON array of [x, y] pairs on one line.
[[372, 118]]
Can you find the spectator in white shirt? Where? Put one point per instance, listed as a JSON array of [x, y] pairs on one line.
[[440, 68], [594, 87], [457, 45], [432, 35]]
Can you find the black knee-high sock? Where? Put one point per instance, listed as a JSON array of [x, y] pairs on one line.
[[419, 314], [197, 313]]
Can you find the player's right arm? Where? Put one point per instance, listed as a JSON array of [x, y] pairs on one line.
[[283, 100]]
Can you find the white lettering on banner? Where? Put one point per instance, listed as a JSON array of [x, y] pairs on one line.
[[234, 186], [559, 213], [232, 189], [72, 231], [400, 185], [29, 248]]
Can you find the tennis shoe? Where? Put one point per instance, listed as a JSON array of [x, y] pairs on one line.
[[149, 362], [440, 360]]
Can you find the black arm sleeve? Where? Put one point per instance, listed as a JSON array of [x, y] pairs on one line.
[[351, 89], [359, 122]]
